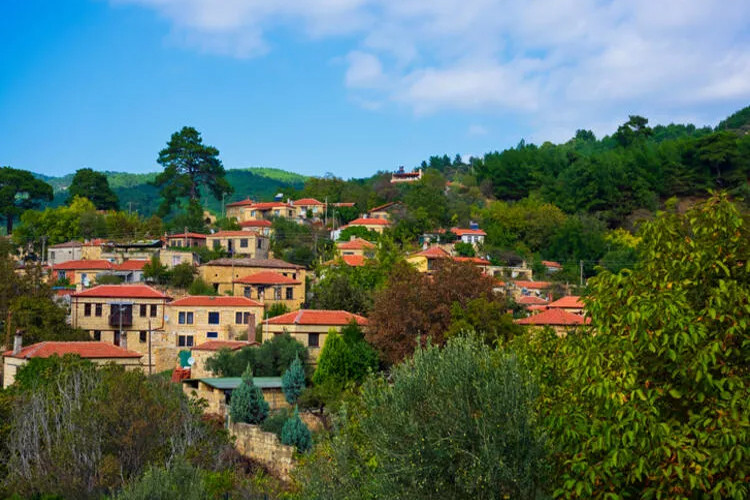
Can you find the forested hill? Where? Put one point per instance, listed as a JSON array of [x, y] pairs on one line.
[[135, 191]]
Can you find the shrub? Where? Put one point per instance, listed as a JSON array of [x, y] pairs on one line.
[[295, 433], [247, 404], [293, 381]]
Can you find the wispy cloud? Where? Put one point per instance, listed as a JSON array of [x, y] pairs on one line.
[[476, 130], [560, 62]]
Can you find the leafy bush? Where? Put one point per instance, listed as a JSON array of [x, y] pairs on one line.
[[275, 421], [182, 275], [295, 433], [270, 359], [200, 287]]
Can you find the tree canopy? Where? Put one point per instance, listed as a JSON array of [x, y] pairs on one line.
[[20, 191], [94, 186]]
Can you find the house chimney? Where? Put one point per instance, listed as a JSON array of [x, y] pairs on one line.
[[17, 342], [251, 329]]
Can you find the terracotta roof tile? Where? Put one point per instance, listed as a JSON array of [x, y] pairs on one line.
[[569, 302], [530, 300], [473, 260], [266, 263], [554, 317], [355, 244], [256, 223], [74, 265], [132, 265], [217, 345], [68, 244], [122, 292], [83, 349], [317, 317], [308, 202], [241, 203], [195, 236], [269, 205], [214, 301], [434, 252], [362, 221], [267, 278], [552, 263], [533, 285], [462, 231], [232, 234]]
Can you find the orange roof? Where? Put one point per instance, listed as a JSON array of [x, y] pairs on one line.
[[355, 244], [215, 301], [74, 265], [267, 278], [131, 265], [344, 204], [242, 203], [473, 260], [551, 263], [83, 349], [434, 252], [529, 300], [95, 242], [256, 223], [533, 285], [554, 317], [368, 222], [232, 234], [317, 317], [383, 206], [122, 292], [537, 307], [217, 345], [354, 260], [197, 236], [569, 302], [308, 202], [269, 205], [460, 232]]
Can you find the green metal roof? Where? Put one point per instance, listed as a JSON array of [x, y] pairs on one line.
[[231, 383]]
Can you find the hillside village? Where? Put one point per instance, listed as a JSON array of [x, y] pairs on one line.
[[335, 337]]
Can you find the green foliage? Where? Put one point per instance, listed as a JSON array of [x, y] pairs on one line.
[[464, 249], [453, 422], [270, 359], [182, 275], [92, 185], [656, 404], [20, 191], [358, 232], [155, 272], [345, 357], [247, 403], [200, 287], [293, 381], [276, 309], [275, 421], [188, 165], [488, 319], [42, 319], [109, 279], [295, 433], [299, 243], [179, 481]]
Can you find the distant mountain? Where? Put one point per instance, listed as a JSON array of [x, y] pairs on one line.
[[136, 192]]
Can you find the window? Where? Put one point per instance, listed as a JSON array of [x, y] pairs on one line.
[[143, 336], [61, 275], [313, 339], [181, 318], [52, 256], [97, 335], [277, 293], [260, 243], [248, 292], [185, 341], [243, 243], [153, 310], [246, 318], [217, 244], [261, 291], [238, 318], [98, 310], [241, 318], [294, 276], [143, 310], [276, 213], [289, 293], [190, 318], [252, 214], [87, 309], [212, 335], [213, 318]]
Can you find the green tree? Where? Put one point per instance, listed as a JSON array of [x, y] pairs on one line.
[[270, 359], [488, 319], [656, 404], [453, 422], [182, 275], [200, 287], [276, 309], [293, 381], [20, 191], [295, 433], [41, 319], [94, 186], [464, 249], [155, 272], [358, 232], [345, 357], [189, 165], [247, 404]]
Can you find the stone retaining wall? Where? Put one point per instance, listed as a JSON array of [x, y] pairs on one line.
[[264, 447]]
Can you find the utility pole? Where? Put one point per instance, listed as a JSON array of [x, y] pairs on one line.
[[325, 217], [581, 264], [44, 255], [223, 195], [149, 346], [130, 207]]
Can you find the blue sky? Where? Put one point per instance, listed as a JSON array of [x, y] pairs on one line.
[[352, 86]]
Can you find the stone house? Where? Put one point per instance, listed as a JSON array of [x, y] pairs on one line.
[[186, 240], [174, 256], [218, 391], [245, 243], [569, 303], [263, 227], [426, 260], [311, 206], [197, 319], [64, 252], [310, 326], [222, 273], [271, 288], [557, 319], [96, 352], [356, 246], [81, 273], [473, 236], [237, 209]]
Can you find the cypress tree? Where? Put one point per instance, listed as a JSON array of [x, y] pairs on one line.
[[248, 404], [293, 381], [295, 433]]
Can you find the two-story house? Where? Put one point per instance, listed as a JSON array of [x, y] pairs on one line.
[[186, 240], [473, 236], [356, 246], [259, 226], [238, 209], [81, 273], [196, 319], [271, 288], [222, 273], [245, 243], [64, 252], [309, 208]]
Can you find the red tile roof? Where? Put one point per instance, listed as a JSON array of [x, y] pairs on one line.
[[269, 205], [256, 223], [267, 278], [460, 232], [533, 285], [354, 260], [217, 345], [355, 244], [369, 222], [383, 206], [195, 236], [308, 202], [241, 203], [232, 234], [262, 263], [96, 242], [89, 350], [554, 317], [529, 300], [68, 244], [214, 301], [132, 265], [344, 204], [317, 317], [569, 302], [473, 260], [537, 307], [122, 292], [434, 252], [552, 263], [74, 265]]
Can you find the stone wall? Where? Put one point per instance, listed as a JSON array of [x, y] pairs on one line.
[[264, 447]]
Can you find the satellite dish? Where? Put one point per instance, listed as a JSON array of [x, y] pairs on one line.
[[191, 361]]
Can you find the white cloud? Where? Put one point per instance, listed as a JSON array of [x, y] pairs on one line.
[[476, 130], [586, 61]]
